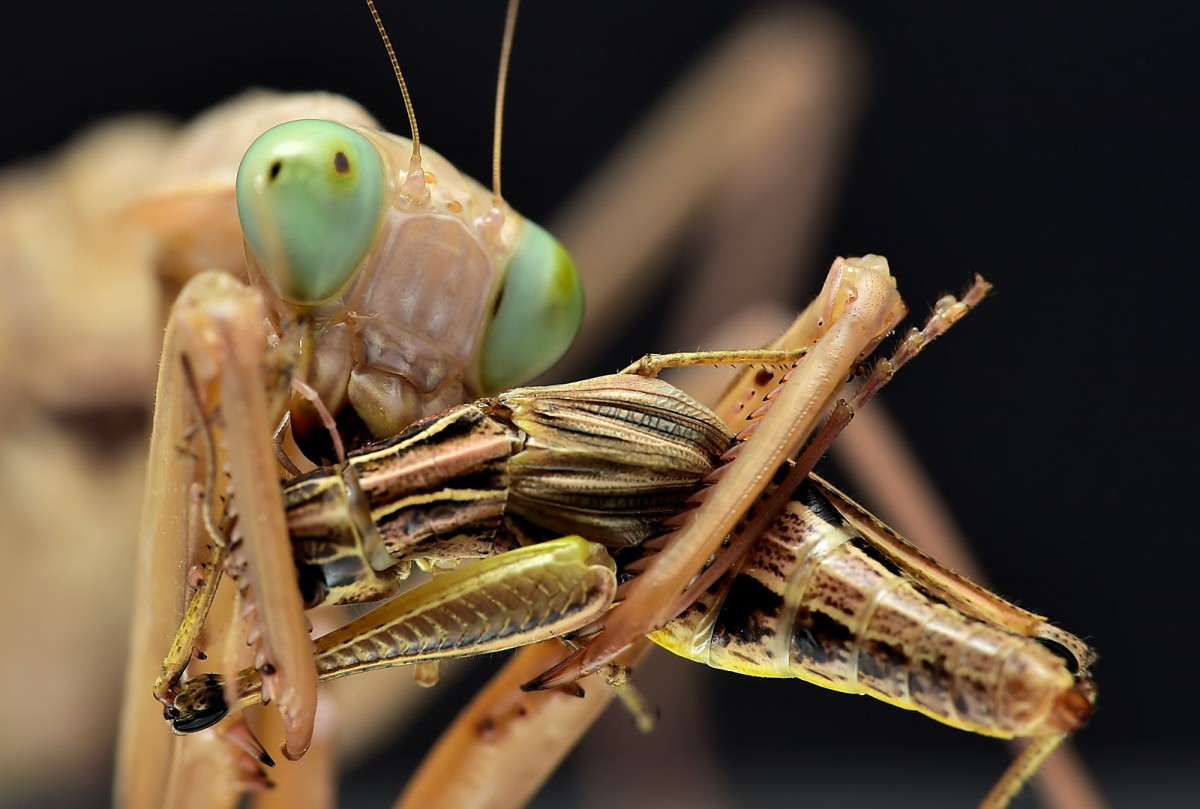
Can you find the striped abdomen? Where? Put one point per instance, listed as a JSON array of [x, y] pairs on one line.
[[815, 600], [608, 458]]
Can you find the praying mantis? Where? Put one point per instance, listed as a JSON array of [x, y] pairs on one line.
[[974, 665]]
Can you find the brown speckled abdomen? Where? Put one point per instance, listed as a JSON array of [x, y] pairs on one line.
[[815, 600]]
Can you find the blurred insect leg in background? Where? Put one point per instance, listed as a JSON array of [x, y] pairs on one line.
[[77, 330]]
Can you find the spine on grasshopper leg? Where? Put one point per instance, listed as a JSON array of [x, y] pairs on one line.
[[608, 458], [814, 600]]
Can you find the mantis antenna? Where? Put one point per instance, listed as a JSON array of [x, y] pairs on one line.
[[510, 25], [414, 183]]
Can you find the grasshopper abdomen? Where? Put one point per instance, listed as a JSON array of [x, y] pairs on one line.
[[816, 600]]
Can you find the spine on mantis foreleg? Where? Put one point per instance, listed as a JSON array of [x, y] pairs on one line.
[[816, 600]]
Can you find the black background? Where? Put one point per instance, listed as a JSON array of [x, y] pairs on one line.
[[1053, 149]]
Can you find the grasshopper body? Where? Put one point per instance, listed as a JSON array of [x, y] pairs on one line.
[[825, 593], [608, 458]]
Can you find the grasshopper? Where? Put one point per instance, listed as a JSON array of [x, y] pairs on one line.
[[753, 637]]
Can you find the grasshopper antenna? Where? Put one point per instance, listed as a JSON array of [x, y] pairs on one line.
[[414, 183]]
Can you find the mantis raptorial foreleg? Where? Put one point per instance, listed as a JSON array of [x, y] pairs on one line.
[[218, 326]]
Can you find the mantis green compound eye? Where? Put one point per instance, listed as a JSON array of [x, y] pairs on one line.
[[537, 315], [310, 195]]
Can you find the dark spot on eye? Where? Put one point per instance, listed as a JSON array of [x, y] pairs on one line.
[[276, 167], [341, 163], [267, 670]]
